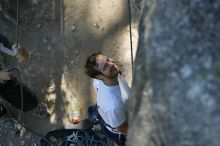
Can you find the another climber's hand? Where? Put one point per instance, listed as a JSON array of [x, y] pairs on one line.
[[15, 48]]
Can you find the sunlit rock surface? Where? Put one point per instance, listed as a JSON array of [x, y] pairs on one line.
[[176, 98]]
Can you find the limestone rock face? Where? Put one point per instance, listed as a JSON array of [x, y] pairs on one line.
[[176, 97], [9, 7], [13, 133]]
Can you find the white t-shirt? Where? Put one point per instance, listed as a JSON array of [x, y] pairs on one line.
[[111, 105]]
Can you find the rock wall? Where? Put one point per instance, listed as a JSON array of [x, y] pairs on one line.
[[176, 100], [14, 134], [9, 7]]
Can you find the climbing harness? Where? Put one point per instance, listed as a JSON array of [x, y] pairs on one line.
[[95, 118]]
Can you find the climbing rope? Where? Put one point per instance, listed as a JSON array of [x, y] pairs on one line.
[[62, 19], [82, 138], [17, 22], [130, 30], [19, 75]]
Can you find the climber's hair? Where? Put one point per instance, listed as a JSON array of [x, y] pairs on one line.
[[91, 65]]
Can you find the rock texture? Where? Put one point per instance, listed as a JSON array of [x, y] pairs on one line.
[[14, 134], [176, 98], [59, 42]]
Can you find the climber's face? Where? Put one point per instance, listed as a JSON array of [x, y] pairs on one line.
[[107, 66]]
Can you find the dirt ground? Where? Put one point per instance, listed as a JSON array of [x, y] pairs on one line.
[[59, 39]]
